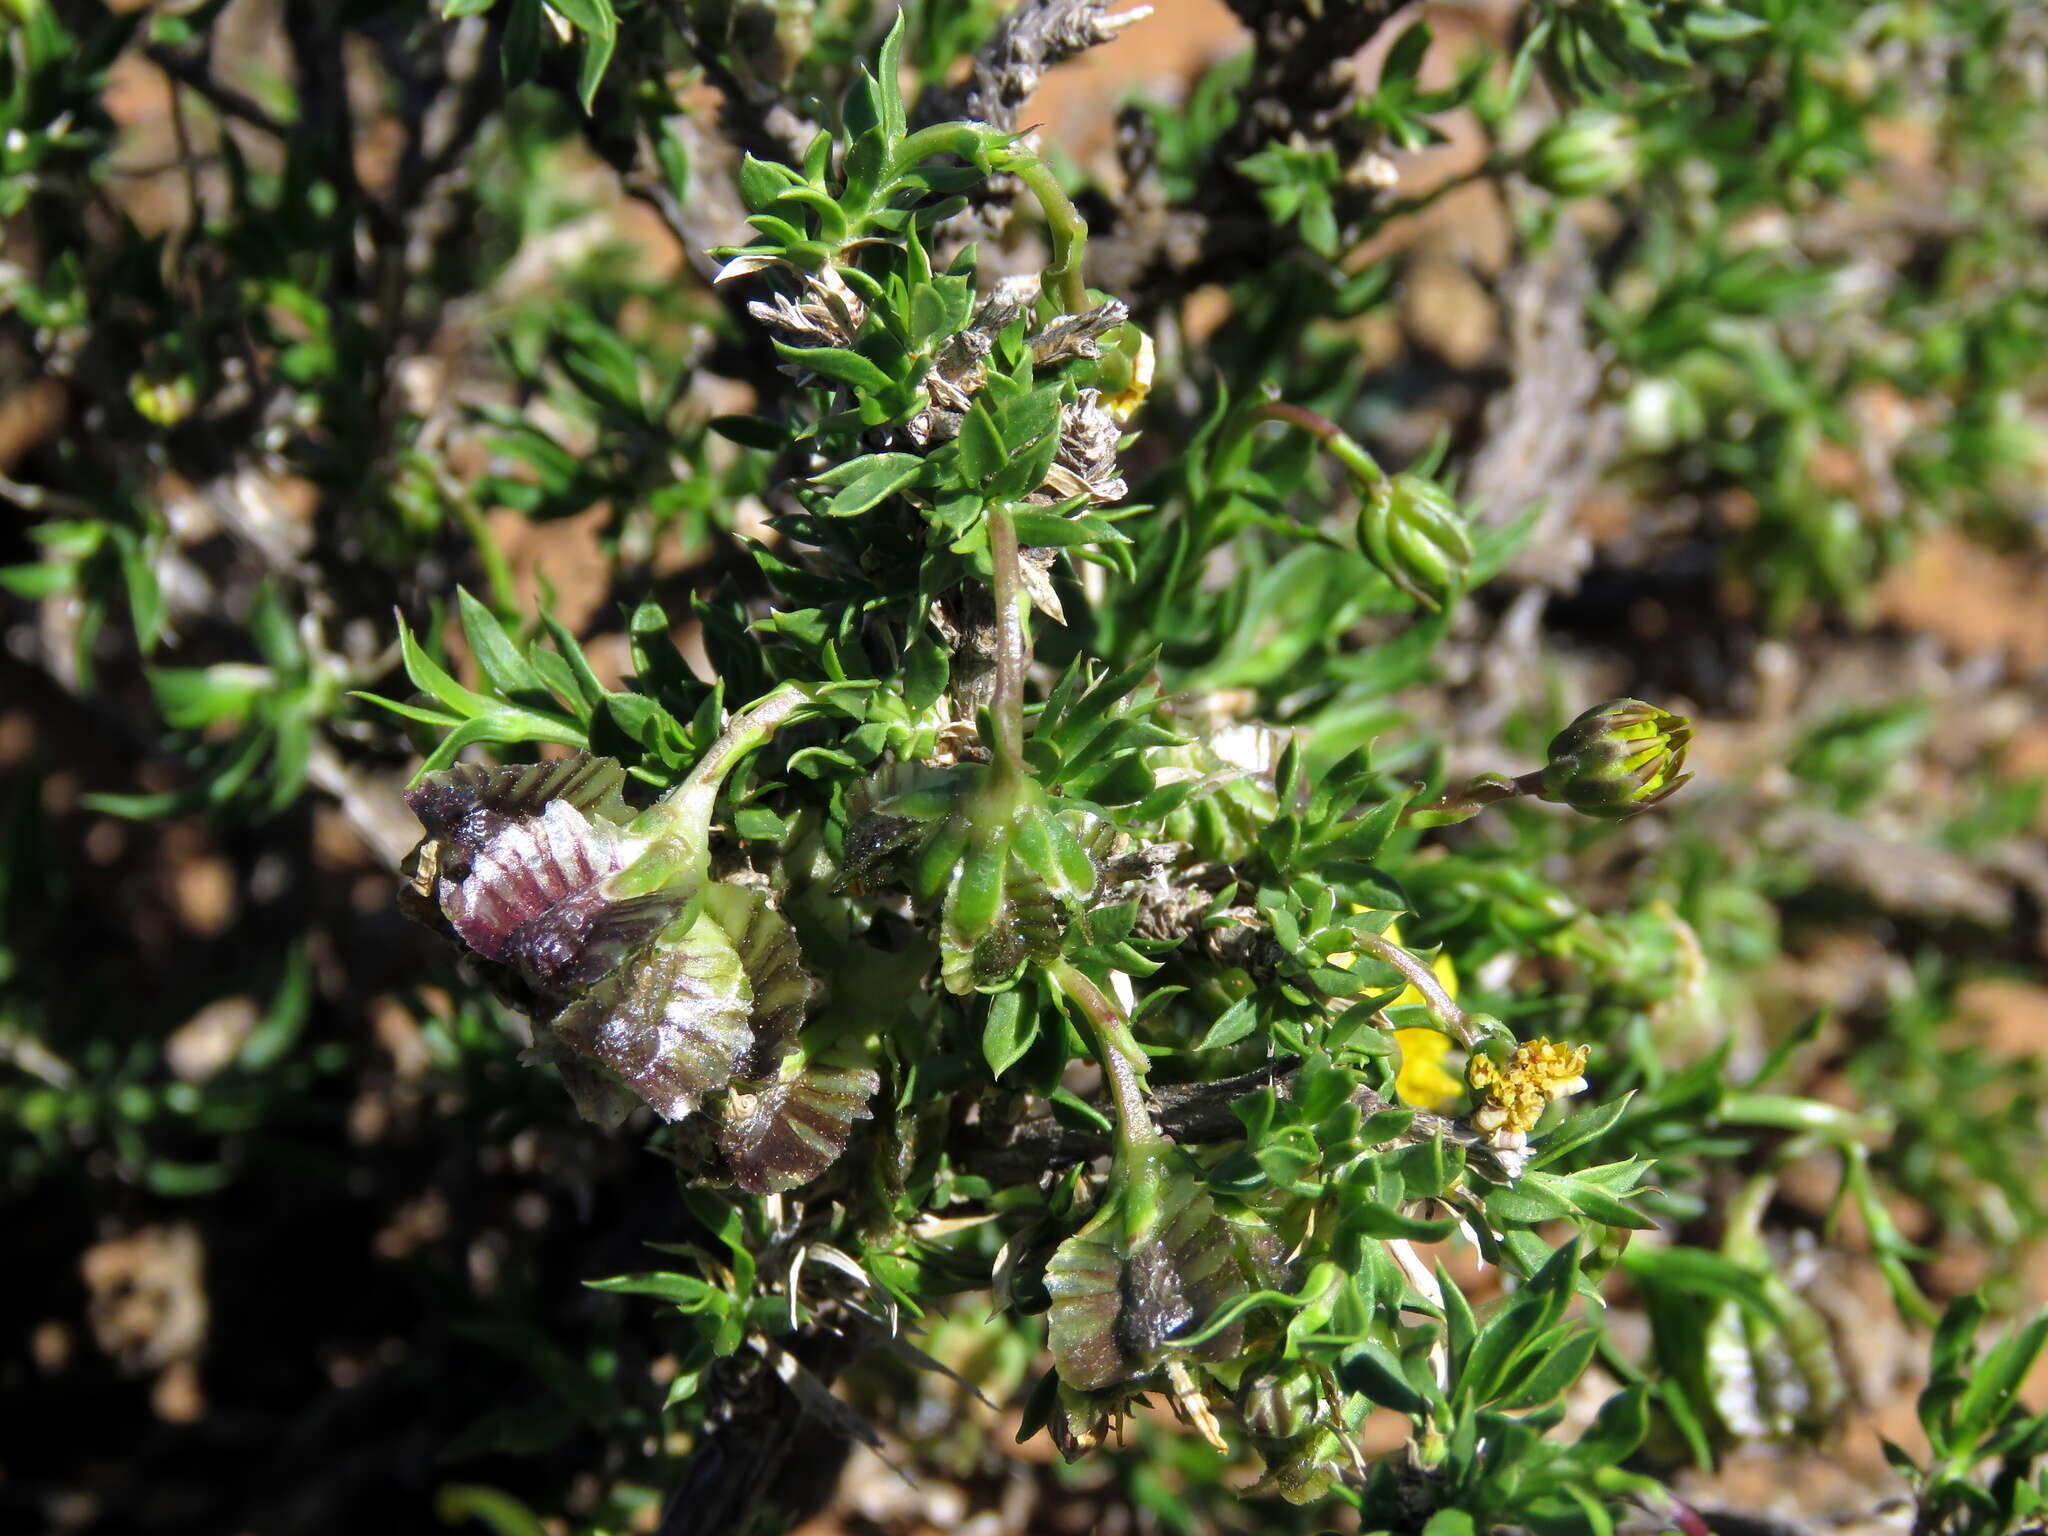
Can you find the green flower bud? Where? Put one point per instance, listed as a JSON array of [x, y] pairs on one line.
[[1587, 153], [165, 392], [1411, 528], [1616, 759]]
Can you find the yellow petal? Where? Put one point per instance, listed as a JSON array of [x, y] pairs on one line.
[[1423, 1082]]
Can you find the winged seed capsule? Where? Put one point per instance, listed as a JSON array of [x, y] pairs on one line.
[[647, 980]]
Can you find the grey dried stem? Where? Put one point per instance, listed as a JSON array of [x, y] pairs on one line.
[[1300, 93]]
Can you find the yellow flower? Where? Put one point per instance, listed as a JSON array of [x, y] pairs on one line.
[[1423, 1081], [1123, 403]]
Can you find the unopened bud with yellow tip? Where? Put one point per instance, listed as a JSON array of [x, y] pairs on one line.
[[1125, 373], [1616, 759]]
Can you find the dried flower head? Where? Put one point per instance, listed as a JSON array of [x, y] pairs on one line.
[[1512, 1098]]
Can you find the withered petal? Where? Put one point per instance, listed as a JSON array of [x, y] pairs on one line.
[[465, 805]]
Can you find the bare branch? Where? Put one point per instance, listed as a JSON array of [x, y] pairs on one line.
[[225, 99], [1031, 39]]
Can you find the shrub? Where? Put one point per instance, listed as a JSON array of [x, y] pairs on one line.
[[1075, 858]]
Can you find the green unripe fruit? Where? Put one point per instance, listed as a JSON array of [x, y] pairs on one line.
[[1587, 153], [1616, 759], [1411, 528], [1278, 1401]]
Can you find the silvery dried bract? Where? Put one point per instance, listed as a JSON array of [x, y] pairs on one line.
[[1089, 429], [826, 313], [1078, 335], [1086, 463], [959, 366], [1034, 574]]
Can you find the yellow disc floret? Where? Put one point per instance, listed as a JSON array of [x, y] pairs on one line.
[[1512, 1098]]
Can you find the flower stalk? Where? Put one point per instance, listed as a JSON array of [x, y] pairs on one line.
[[1340, 445], [1006, 706], [1065, 228], [679, 823], [1123, 1061], [1443, 1008]]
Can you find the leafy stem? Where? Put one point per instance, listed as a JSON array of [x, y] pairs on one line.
[[1833, 1125], [1123, 1062]]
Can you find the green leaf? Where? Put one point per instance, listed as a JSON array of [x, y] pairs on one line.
[[519, 54], [1949, 1355], [1549, 1373], [1231, 1026], [1586, 1126], [881, 476], [982, 454], [1533, 1198], [429, 677], [1048, 530], [761, 432], [1617, 1429], [497, 657], [927, 667], [888, 80], [1996, 1380], [840, 363], [600, 29], [762, 181], [503, 1514], [686, 1291], [1008, 1034], [1371, 1370]]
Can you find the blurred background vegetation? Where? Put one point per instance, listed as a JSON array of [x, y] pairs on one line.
[[305, 315]]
